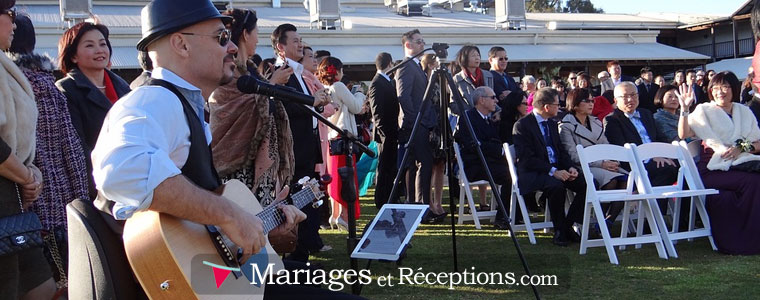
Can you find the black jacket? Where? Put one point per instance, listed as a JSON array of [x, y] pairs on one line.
[[646, 98], [87, 105], [620, 130], [530, 149], [306, 146], [385, 108]]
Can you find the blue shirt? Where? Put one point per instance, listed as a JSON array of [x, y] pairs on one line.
[[549, 150], [636, 120]]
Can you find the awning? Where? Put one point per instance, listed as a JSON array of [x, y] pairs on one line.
[[740, 66], [126, 57]]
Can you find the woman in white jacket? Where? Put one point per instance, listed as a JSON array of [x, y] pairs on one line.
[[347, 104]]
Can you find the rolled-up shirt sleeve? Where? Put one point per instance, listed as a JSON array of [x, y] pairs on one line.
[[132, 155]]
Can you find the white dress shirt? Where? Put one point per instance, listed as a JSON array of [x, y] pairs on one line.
[[298, 71], [384, 75], [145, 139]]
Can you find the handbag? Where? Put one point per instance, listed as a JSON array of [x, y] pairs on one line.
[[20, 232]]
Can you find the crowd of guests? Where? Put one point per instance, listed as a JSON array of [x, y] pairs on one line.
[[49, 132]]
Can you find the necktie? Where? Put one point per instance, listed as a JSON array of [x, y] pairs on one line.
[[547, 137]]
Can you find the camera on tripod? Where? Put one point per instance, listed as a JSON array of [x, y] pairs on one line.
[[440, 49]]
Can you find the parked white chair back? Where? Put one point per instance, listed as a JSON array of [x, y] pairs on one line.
[[595, 197], [518, 202], [465, 194], [695, 188]]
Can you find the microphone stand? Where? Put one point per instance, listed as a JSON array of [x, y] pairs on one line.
[[348, 188]]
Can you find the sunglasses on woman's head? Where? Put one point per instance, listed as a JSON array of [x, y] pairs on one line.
[[11, 13]]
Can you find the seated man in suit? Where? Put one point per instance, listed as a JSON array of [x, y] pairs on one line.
[[544, 165], [486, 130], [630, 124]]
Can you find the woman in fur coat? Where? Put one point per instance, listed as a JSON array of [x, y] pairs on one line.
[[24, 274], [59, 154], [728, 162]]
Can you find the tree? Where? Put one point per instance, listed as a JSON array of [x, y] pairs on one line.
[[543, 6], [580, 6], [553, 6]]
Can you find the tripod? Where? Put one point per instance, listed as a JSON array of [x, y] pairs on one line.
[[443, 78]]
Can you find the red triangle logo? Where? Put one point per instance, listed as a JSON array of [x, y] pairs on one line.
[[220, 275]]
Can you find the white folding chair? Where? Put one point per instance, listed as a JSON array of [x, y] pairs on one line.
[[694, 188], [465, 192], [516, 199], [692, 150], [594, 199]]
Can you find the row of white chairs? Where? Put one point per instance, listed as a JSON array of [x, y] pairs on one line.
[[639, 190]]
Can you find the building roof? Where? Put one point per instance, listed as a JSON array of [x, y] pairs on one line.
[[614, 36]]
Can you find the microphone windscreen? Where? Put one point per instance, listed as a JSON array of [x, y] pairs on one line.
[[247, 84]]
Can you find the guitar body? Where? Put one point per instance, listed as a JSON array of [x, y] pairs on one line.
[[167, 254]]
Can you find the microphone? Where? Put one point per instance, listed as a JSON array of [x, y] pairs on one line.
[[250, 85]]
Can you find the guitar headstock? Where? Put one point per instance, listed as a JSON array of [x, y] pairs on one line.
[[311, 184]]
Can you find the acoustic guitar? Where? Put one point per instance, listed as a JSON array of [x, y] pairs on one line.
[[179, 259]]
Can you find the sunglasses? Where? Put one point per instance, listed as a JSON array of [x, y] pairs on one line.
[[247, 15], [571, 78], [11, 13], [587, 101], [490, 97], [223, 37], [503, 58]]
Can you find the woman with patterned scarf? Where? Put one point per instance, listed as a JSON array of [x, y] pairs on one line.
[[251, 139], [471, 76]]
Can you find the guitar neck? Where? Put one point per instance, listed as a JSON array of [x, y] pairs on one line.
[[273, 217]]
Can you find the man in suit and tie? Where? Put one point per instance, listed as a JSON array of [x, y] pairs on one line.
[[503, 84], [544, 165], [385, 107], [616, 73], [306, 146], [486, 127], [647, 90], [411, 82], [630, 124]]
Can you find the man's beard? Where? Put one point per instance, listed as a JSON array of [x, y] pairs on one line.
[[228, 78]]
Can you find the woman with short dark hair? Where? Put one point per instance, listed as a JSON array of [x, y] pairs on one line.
[[580, 127], [470, 77], [666, 117], [84, 54], [729, 162]]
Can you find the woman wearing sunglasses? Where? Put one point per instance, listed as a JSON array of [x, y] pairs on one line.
[[580, 127], [24, 274], [251, 138], [84, 55]]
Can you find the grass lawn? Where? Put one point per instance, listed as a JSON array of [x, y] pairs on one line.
[[698, 273]]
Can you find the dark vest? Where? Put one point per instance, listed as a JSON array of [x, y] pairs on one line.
[[199, 167]]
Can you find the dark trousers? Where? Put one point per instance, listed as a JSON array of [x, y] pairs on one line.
[[421, 167], [500, 174], [386, 170], [556, 191], [308, 231]]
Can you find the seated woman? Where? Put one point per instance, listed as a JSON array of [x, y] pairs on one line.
[[666, 117], [579, 127], [728, 162]]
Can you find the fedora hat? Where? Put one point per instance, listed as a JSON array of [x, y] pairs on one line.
[[162, 17]]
